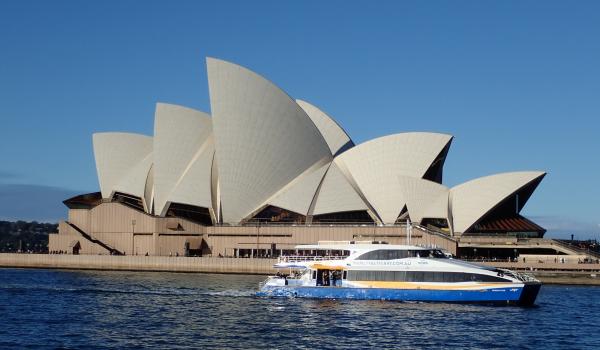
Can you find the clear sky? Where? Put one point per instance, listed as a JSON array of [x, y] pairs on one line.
[[516, 82]]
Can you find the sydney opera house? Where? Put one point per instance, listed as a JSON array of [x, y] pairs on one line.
[[264, 172]]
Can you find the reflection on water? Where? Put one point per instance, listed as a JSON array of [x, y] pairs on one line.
[[74, 309]]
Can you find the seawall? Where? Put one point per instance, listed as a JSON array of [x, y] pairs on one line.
[[581, 274], [139, 263]]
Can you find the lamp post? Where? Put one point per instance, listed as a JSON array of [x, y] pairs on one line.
[[257, 237], [132, 235]]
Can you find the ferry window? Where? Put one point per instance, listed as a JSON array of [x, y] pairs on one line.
[[422, 253], [386, 254], [438, 254], [486, 278], [399, 275], [345, 275], [418, 276], [314, 275]]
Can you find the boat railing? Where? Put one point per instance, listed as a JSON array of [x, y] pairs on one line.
[[524, 277], [301, 258]]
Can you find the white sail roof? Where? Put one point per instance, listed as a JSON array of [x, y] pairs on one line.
[[183, 150], [194, 185], [123, 161], [374, 167], [336, 194], [134, 182], [299, 194], [337, 139], [471, 200], [149, 190], [262, 148], [424, 198], [263, 139]]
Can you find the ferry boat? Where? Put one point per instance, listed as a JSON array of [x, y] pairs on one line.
[[360, 270]]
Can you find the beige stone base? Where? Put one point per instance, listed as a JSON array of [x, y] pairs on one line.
[[139, 263]]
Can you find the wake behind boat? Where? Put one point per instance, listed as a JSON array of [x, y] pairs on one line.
[[366, 270]]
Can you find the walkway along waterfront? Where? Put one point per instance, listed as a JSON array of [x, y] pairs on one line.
[[139, 263], [587, 274]]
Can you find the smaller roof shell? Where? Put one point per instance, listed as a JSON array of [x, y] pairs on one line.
[[374, 166], [470, 201], [299, 194], [424, 198], [183, 150], [123, 161], [337, 139], [336, 194]]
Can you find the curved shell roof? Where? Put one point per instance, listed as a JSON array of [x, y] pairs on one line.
[[374, 167], [123, 161], [183, 150], [149, 190], [194, 185], [471, 200], [299, 194], [261, 148], [337, 139], [263, 139], [135, 182], [336, 194], [424, 198]]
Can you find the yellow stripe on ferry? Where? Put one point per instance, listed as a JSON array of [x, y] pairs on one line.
[[326, 267]]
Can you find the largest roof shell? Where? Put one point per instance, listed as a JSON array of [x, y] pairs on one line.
[[263, 139]]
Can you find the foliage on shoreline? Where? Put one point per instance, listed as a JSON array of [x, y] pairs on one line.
[[25, 236]]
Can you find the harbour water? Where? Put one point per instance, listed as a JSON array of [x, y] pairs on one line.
[[97, 309]]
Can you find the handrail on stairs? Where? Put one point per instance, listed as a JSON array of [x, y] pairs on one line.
[[87, 236]]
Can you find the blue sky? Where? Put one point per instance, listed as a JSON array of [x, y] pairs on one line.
[[516, 82]]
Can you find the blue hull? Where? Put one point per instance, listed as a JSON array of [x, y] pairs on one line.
[[512, 295]]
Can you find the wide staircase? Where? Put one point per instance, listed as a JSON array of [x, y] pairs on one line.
[[512, 242], [437, 239], [576, 249], [112, 250]]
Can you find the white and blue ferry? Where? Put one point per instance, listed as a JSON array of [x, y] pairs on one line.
[[349, 270]]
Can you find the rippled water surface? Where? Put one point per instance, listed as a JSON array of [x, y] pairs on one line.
[[75, 309]]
